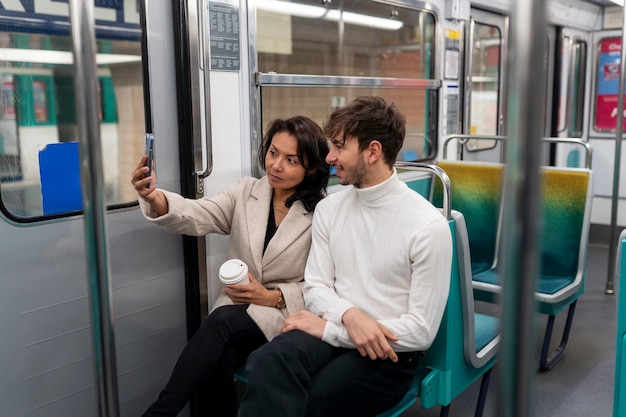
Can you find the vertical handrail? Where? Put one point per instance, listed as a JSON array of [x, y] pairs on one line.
[[619, 131], [521, 208], [205, 66], [87, 111]]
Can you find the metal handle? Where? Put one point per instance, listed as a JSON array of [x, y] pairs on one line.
[[574, 141], [87, 110], [205, 66], [464, 138], [433, 169]]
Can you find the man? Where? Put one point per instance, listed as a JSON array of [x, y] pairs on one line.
[[376, 284]]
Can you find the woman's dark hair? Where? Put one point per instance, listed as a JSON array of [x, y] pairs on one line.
[[312, 151], [370, 118]]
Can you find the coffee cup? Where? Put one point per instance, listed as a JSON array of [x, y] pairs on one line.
[[234, 271]]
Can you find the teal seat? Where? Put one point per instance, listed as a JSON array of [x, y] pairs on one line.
[[619, 399], [477, 190], [564, 232], [466, 344]]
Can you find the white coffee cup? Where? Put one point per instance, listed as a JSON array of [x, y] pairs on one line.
[[234, 271]]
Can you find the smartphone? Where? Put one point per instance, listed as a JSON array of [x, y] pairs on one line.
[[150, 154]]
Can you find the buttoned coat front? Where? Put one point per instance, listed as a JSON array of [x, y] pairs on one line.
[[242, 211]]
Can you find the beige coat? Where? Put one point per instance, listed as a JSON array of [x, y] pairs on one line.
[[242, 211]]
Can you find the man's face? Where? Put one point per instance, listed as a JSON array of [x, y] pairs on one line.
[[348, 161]]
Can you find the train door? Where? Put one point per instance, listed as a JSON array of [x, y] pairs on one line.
[[47, 366], [214, 112], [572, 86], [484, 110]]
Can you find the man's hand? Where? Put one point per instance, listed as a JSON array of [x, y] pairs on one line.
[[369, 336], [305, 321]]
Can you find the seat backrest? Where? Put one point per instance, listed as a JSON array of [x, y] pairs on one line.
[[481, 341], [461, 352], [477, 193], [619, 398], [566, 212]]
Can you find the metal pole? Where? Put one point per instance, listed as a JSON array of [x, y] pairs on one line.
[[87, 111], [525, 90], [619, 130]]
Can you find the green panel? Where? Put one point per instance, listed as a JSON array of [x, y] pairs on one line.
[[35, 100], [109, 105], [66, 98]]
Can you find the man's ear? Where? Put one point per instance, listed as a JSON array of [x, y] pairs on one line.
[[375, 151]]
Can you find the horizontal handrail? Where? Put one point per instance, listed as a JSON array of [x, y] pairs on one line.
[[434, 169], [305, 80], [572, 141], [464, 138]]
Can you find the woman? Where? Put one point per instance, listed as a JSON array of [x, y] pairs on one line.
[[269, 223]]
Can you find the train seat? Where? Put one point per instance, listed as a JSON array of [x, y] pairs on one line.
[[619, 399], [477, 188], [564, 232], [465, 346]]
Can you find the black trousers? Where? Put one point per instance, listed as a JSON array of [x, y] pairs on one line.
[[297, 375], [206, 365]]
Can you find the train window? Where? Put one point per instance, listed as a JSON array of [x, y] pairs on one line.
[[349, 38], [572, 87], [485, 84], [38, 129], [319, 103], [335, 52]]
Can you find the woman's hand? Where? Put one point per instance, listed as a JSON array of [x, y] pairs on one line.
[[252, 293], [146, 187]]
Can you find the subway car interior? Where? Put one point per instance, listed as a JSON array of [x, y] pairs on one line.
[[513, 120]]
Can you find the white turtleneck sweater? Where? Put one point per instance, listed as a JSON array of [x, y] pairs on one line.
[[386, 250]]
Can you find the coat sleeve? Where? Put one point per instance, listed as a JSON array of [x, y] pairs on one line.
[[198, 217]]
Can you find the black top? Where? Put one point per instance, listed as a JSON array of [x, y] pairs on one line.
[[271, 228]]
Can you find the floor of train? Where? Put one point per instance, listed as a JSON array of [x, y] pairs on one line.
[[581, 384]]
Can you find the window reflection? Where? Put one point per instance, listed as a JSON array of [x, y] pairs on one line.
[[359, 39], [485, 79], [418, 143], [349, 39], [38, 110]]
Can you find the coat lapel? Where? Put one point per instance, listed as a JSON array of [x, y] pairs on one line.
[[297, 221], [257, 213]]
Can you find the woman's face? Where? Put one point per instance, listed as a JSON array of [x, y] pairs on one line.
[[282, 164]]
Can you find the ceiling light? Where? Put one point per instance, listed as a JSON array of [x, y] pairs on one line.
[[41, 56], [316, 12]]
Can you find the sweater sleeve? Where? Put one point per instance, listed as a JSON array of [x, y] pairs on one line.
[[431, 263], [319, 293]]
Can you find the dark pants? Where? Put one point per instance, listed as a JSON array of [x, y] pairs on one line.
[[206, 365], [299, 375]]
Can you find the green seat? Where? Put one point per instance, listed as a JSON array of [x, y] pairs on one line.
[[564, 233], [619, 399], [477, 190]]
